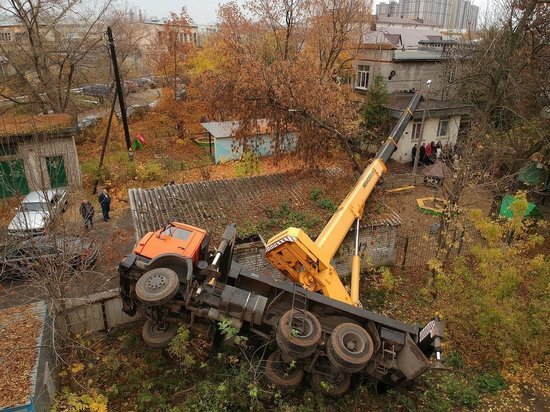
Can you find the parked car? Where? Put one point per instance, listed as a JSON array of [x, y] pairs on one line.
[[98, 90], [88, 121], [37, 210], [46, 255]]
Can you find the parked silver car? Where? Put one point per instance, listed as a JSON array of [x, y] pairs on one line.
[[37, 210]]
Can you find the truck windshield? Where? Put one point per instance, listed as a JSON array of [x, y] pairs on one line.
[[176, 232], [34, 207]]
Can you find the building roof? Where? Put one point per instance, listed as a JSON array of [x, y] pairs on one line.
[[21, 328], [436, 108], [221, 129], [408, 37], [25, 125]]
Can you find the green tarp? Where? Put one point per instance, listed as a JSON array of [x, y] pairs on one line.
[[507, 211]]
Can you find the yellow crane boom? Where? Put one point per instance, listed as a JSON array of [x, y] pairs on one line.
[[307, 262]]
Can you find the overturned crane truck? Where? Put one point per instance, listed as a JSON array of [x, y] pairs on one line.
[[312, 324]]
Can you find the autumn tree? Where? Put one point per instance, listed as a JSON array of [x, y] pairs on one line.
[[505, 73], [174, 44], [52, 43], [284, 60]]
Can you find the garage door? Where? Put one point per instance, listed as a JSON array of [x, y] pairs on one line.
[[12, 178], [56, 170]]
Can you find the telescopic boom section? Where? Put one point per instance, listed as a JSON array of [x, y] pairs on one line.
[[307, 262]]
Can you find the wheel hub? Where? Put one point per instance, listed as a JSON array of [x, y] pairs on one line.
[[156, 283]]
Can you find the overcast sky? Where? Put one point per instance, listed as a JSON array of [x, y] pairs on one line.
[[202, 11]]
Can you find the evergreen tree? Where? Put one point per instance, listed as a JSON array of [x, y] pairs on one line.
[[375, 114]]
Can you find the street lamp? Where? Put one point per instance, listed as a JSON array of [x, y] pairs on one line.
[[417, 154]]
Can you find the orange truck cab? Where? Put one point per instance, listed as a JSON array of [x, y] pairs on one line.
[[176, 238]]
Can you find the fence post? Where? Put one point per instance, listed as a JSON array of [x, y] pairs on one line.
[[405, 249]]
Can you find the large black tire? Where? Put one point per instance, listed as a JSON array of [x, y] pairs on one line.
[[156, 337], [157, 286], [281, 373], [335, 384], [298, 333], [349, 348]]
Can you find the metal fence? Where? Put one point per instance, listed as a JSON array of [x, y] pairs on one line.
[[415, 247]]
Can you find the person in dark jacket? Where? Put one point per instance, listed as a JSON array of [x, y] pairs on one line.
[[422, 154], [105, 203], [87, 213], [414, 150]]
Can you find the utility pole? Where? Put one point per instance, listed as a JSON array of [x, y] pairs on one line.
[[119, 92], [420, 138]]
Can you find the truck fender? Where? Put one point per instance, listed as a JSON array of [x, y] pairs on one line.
[[182, 266]]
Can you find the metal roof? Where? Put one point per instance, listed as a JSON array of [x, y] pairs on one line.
[[221, 129], [409, 37]]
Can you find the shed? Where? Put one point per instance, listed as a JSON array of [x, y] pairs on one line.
[[26, 375], [225, 144], [37, 152], [435, 174]]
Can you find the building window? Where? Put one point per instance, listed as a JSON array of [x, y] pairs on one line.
[[5, 36], [443, 127], [417, 129], [362, 79]]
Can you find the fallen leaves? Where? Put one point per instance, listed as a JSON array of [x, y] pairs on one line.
[[19, 330]]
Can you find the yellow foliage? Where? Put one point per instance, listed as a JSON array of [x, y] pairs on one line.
[[77, 367]]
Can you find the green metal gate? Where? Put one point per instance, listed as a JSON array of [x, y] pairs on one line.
[[56, 170], [12, 178]]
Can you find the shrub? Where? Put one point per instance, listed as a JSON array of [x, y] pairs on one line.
[[91, 168], [248, 165], [488, 383], [150, 171]]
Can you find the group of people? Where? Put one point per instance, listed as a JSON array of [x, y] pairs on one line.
[[428, 153], [87, 209]]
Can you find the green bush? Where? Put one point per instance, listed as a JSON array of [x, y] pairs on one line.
[[150, 171], [91, 168], [488, 383], [248, 165], [316, 195]]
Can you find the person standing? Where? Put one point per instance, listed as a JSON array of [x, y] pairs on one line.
[[414, 150], [105, 203], [422, 154], [87, 213], [428, 159]]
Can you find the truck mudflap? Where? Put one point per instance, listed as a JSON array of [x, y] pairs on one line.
[[411, 361]]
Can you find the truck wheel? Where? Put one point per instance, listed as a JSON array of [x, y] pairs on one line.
[[282, 373], [349, 347], [298, 333], [157, 286], [156, 337], [335, 384]]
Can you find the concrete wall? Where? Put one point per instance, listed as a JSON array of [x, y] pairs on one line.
[[378, 245], [229, 148], [33, 152], [403, 153], [408, 75]]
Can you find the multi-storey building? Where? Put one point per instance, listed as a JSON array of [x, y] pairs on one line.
[[449, 14]]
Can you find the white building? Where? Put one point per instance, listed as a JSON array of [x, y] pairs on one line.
[[442, 123], [449, 14]]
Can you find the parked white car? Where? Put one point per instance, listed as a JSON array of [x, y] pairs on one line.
[[38, 210]]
